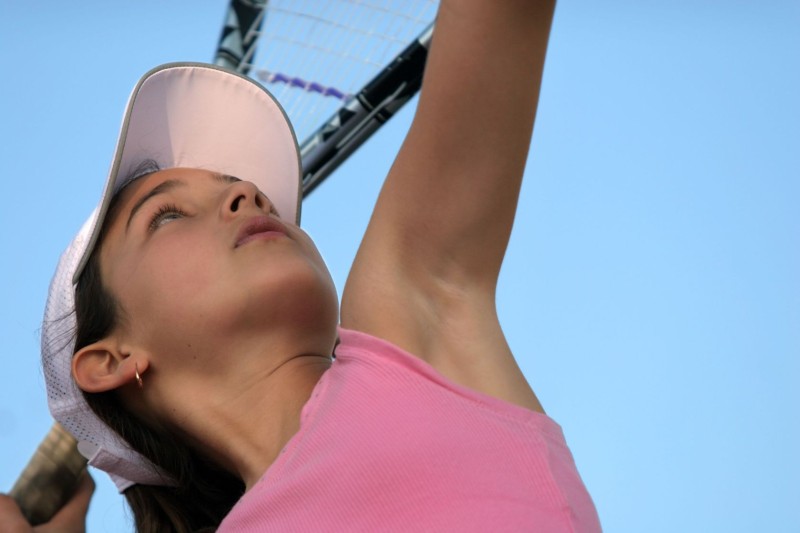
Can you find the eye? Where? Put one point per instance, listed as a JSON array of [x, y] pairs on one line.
[[164, 215]]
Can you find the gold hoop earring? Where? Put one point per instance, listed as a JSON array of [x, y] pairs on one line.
[[139, 381]]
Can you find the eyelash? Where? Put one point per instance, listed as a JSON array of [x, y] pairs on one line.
[[166, 209]]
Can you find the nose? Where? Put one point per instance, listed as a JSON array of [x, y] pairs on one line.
[[243, 195]]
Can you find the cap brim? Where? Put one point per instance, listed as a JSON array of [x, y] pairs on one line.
[[194, 115]]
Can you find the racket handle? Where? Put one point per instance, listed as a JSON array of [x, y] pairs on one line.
[[50, 478]]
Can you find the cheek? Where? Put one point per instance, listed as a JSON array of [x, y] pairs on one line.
[[163, 289]]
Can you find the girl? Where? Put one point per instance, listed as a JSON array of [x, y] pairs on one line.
[[194, 345]]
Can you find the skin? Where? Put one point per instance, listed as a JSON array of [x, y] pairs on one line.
[[236, 339], [69, 519], [229, 339], [426, 272]]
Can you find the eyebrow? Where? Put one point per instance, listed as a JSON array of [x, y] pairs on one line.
[[161, 188], [224, 178]]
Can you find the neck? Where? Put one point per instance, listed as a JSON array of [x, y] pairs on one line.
[[243, 426]]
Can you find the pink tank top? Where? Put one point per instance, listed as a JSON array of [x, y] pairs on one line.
[[386, 443]]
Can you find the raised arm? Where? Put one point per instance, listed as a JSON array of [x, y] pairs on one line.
[[426, 272]]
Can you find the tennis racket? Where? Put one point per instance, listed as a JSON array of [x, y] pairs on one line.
[[341, 69]]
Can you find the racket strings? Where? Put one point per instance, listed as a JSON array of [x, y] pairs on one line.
[[313, 55]]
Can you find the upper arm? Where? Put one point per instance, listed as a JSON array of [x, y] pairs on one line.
[[425, 274], [450, 198]]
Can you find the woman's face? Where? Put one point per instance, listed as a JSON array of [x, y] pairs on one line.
[[203, 269]]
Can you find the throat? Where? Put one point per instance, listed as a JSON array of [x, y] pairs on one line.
[[246, 431]]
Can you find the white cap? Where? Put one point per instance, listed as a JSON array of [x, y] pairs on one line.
[[180, 115]]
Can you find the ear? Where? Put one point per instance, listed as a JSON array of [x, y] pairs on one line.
[[104, 366]]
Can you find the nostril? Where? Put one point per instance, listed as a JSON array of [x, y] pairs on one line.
[[235, 203], [259, 201]]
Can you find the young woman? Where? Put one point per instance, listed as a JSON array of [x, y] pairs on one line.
[[214, 375]]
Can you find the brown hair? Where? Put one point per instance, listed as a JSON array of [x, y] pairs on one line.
[[204, 493]]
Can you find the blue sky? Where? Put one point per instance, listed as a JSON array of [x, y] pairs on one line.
[[651, 289]]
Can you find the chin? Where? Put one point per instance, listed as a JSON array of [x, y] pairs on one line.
[[300, 298]]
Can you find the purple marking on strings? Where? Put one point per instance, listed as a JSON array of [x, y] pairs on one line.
[[300, 83], [336, 93]]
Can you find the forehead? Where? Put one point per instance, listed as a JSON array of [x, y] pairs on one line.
[[188, 176]]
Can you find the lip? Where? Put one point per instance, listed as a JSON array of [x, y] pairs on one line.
[[260, 227]]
